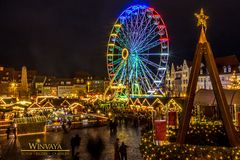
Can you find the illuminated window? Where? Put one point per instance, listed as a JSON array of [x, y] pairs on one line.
[[68, 82], [229, 69], [224, 69]]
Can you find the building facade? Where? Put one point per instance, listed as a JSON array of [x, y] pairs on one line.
[[177, 78]]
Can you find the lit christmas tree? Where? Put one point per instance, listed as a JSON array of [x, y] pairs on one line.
[[234, 81]]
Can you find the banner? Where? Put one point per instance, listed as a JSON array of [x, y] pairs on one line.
[[160, 129], [172, 118]]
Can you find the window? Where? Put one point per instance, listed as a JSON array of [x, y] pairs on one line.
[[224, 69], [68, 82], [229, 69]]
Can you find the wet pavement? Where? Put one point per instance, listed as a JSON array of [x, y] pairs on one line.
[[131, 136]]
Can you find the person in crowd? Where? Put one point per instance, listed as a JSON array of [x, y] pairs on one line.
[[95, 146], [76, 156], [64, 128], [15, 132], [73, 144], [8, 132], [78, 141], [116, 150], [123, 151]]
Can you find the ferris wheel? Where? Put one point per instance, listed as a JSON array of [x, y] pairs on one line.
[[137, 53]]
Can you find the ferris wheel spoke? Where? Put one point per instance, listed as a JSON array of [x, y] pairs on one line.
[[138, 29], [149, 75], [132, 68], [153, 54], [142, 32], [147, 39], [117, 61], [121, 42], [149, 46], [145, 80], [157, 66], [121, 77], [127, 30], [148, 29], [124, 36], [131, 29], [148, 71]]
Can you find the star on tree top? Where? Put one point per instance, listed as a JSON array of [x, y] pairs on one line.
[[202, 19]]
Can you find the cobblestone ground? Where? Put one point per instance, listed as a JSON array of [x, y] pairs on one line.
[[131, 137]]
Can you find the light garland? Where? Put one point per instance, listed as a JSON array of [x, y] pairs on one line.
[[174, 151]]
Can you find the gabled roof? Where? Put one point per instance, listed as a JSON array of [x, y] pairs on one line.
[[48, 105], [34, 106], [65, 103]]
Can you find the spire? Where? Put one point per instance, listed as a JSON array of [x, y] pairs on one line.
[[24, 82]]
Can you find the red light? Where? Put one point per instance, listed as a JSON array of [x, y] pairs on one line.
[[161, 27], [164, 39], [150, 9]]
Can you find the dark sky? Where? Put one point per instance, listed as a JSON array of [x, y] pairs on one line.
[[59, 37]]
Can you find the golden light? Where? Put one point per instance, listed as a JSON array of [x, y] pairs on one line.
[[38, 140], [13, 84], [202, 19]]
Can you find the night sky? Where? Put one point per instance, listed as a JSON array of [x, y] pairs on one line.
[[60, 37]]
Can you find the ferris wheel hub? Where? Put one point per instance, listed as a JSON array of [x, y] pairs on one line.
[[125, 54]]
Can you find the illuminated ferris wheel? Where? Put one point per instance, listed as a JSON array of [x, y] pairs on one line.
[[137, 53]]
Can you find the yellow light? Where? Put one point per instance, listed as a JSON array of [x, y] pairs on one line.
[[118, 25], [114, 35], [125, 53], [111, 44], [13, 84]]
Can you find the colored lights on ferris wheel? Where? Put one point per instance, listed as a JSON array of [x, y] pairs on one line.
[[138, 47]]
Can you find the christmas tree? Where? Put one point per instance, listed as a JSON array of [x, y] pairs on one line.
[[234, 82]]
